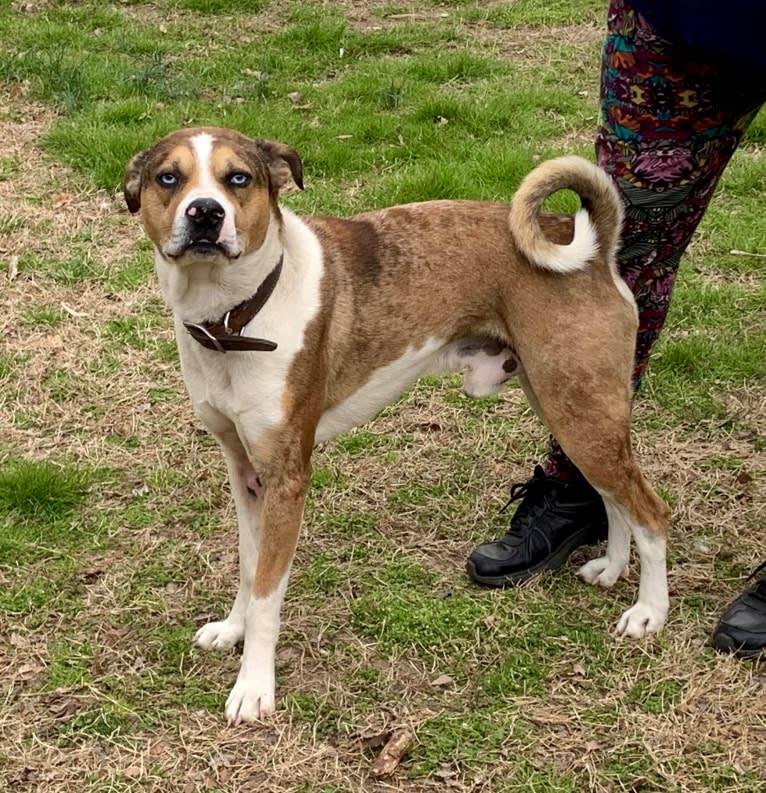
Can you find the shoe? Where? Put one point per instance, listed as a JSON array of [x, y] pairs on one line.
[[553, 519], [742, 628]]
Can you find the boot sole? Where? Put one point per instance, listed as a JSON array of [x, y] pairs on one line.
[[553, 561], [725, 644]]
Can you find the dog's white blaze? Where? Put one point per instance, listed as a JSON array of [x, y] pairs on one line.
[[205, 186], [575, 255], [384, 385]]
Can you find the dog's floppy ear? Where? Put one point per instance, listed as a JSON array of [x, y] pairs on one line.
[[131, 186], [282, 161]]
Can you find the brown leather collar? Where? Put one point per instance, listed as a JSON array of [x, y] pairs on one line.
[[224, 334]]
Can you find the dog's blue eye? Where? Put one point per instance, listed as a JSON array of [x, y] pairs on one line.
[[168, 179], [238, 179]]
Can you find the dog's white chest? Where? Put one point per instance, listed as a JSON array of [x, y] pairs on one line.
[[248, 388], [235, 389]]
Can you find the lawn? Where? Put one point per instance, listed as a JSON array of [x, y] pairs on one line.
[[117, 534]]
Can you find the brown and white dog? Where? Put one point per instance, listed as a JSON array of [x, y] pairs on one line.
[[294, 329]]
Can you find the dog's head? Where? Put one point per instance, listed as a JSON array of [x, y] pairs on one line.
[[209, 192]]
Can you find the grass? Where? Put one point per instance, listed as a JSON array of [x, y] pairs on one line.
[[117, 533], [41, 490]]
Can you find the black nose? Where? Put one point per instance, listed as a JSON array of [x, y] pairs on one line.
[[205, 214]]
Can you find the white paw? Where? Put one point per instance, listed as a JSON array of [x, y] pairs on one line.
[[249, 702], [221, 635], [641, 620], [601, 571]]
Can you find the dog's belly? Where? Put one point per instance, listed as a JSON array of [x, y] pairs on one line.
[[382, 388], [486, 364]]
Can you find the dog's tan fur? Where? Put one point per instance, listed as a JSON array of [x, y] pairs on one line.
[[366, 303]]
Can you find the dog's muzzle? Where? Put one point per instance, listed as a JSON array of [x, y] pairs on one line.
[[201, 231], [204, 221]]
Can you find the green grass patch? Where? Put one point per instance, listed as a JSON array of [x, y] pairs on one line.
[[10, 364], [401, 616], [361, 442], [46, 316], [464, 740], [137, 332], [75, 269], [39, 490], [9, 167], [69, 664], [535, 13], [655, 696], [220, 6], [110, 720], [40, 509], [319, 712], [323, 577], [10, 223], [131, 274]]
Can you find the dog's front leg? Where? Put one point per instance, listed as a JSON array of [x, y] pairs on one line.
[[284, 493], [248, 501]]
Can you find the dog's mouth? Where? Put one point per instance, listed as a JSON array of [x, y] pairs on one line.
[[205, 246], [202, 247]]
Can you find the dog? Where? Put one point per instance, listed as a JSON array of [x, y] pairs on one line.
[[293, 329]]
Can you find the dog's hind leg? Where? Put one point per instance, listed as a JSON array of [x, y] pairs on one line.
[[589, 413], [605, 570], [647, 522]]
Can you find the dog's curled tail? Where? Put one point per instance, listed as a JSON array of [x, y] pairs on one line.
[[596, 225]]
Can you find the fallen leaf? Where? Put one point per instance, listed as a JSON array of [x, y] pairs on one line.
[[59, 200], [744, 478], [19, 90], [64, 708], [28, 671], [442, 681]]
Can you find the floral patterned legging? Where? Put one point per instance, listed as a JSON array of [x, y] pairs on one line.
[[670, 123]]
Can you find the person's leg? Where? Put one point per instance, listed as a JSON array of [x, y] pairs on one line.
[[670, 124]]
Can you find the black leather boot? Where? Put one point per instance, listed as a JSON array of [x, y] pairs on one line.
[[553, 519], [742, 628]]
